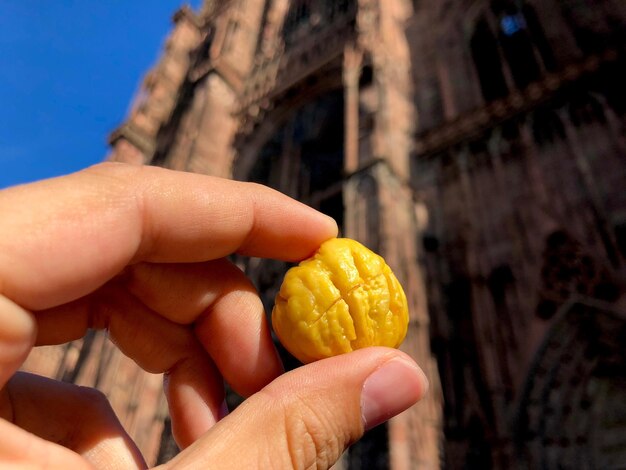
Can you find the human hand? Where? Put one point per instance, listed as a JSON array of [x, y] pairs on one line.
[[141, 252]]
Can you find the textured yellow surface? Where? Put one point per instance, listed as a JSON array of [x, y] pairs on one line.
[[343, 298]]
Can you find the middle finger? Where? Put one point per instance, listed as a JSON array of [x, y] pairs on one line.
[[226, 311]]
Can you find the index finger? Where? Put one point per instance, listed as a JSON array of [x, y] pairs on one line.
[[63, 238]]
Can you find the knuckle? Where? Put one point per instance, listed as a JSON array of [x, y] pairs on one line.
[[112, 168], [312, 438], [117, 178], [110, 171]]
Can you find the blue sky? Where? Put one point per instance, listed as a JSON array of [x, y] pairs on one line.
[[68, 71]]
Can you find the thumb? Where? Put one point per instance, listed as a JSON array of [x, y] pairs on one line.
[[308, 417], [18, 331]]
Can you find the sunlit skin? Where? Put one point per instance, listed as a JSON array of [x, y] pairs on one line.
[[141, 252]]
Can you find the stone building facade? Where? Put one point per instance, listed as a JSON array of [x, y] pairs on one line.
[[478, 146]]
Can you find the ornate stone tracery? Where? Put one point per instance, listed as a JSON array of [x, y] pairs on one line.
[[572, 413]]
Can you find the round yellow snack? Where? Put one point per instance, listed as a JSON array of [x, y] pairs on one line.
[[343, 298]]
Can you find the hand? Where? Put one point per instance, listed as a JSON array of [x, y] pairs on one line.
[[141, 252]]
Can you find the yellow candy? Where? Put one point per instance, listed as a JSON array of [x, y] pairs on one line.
[[343, 298]]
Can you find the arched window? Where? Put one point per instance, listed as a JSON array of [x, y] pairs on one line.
[[297, 17], [517, 45], [509, 42], [304, 15], [536, 33], [487, 61]]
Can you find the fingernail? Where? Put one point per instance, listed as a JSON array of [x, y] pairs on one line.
[[391, 389]]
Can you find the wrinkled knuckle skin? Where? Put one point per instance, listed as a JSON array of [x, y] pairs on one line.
[[112, 167], [310, 438], [119, 176]]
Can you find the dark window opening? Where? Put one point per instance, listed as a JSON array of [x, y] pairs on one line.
[[314, 138], [459, 297], [322, 154], [488, 63], [322, 168], [430, 243], [519, 53], [546, 309], [510, 130], [557, 240], [345, 5], [503, 7], [539, 38], [520, 41], [578, 16], [479, 453], [606, 290], [586, 109], [463, 354], [478, 147], [367, 76], [333, 207], [588, 41], [610, 82], [547, 127], [498, 281], [512, 24]]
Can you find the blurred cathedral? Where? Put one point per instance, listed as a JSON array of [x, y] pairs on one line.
[[479, 146]]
